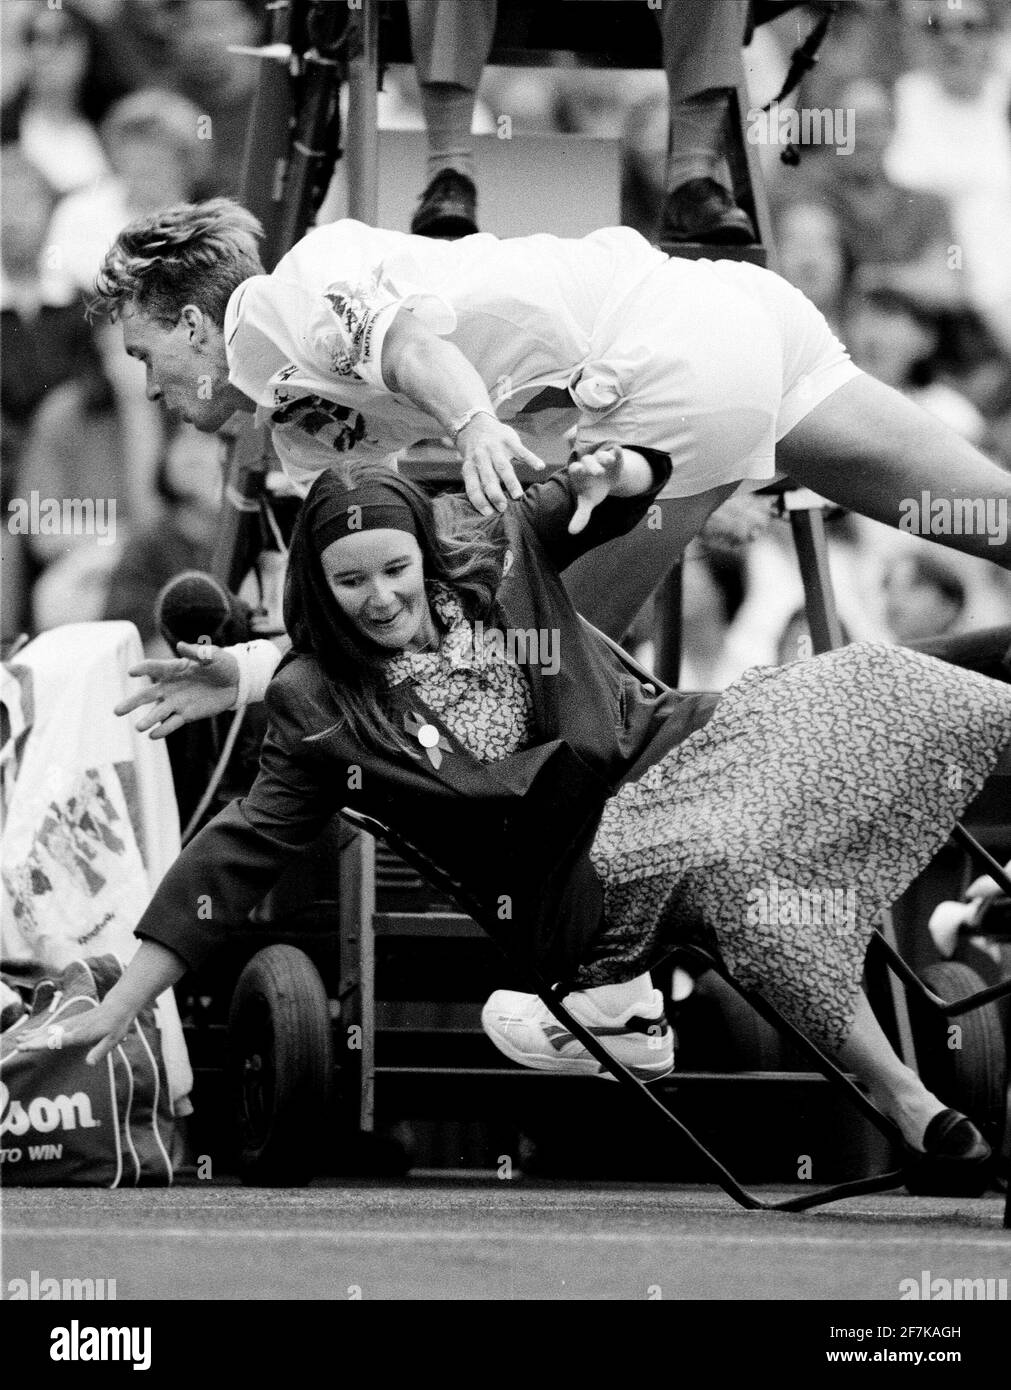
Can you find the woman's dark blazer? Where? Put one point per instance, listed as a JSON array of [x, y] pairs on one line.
[[513, 833]]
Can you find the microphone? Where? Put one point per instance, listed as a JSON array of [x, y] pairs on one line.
[[197, 608]]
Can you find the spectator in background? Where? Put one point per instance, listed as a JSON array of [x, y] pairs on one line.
[[712, 591], [75, 449], [220, 84], [953, 138], [182, 46], [862, 39], [45, 341], [907, 230], [903, 340], [181, 538], [64, 88], [643, 164], [156, 160], [813, 256], [895, 335], [923, 596]]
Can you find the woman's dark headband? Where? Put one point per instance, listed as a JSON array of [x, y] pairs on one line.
[[372, 507]]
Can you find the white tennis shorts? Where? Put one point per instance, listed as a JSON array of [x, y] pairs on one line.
[[711, 362]]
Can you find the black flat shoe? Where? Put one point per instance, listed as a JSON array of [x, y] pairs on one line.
[[702, 210], [448, 207], [955, 1161]]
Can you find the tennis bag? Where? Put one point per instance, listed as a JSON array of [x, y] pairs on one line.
[[66, 1124]]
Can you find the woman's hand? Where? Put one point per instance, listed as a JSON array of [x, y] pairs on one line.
[[489, 449], [101, 1029], [204, 681], [153, 969], [593, 478]]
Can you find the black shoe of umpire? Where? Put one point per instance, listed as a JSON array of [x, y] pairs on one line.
[[702, 210], [448, 207]]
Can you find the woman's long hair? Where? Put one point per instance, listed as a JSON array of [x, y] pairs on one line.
[[459, 548]]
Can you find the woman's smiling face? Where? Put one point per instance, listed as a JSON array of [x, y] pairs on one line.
[[377, 578]]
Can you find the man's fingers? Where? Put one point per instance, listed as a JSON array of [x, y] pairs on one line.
[[508, 478], [490, 485], [492, 488], [140, 697], [489, 474], [155, 668], [148, 721], [522, 453], [475, 492], [169, 726]]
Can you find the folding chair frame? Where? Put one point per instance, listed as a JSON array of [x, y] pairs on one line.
[[553, 998], [709, 959]]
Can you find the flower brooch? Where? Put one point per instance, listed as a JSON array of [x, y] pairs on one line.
[[429, 737]]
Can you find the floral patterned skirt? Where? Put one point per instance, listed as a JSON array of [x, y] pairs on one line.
[[810, 801]]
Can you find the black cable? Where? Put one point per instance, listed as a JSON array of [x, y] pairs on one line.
[[802, 60]]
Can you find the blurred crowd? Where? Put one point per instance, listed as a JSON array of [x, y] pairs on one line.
[[900, 234]]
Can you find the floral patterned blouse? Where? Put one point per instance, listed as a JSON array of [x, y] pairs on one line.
[[482, 695]]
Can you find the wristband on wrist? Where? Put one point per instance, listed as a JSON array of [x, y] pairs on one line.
[[257, 661], [462, 421]]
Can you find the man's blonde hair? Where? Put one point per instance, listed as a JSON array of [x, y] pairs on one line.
[[193, 253]]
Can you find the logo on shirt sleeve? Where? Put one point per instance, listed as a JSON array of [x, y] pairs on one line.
[[356, 310], [337, 426]]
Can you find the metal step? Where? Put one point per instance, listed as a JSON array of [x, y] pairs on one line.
[[673, 1082], [424, 1017], [433, 924]]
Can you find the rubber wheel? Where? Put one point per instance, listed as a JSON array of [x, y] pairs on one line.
[[280, 1051], [971, 1076]]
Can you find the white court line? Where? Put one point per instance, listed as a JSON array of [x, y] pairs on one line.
[[512, 1237]]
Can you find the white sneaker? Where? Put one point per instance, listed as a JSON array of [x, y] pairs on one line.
[[521, 1026]]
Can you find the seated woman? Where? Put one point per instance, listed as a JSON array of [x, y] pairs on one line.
[[441, 681]]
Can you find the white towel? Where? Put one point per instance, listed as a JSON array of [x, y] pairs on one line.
[[90, 822]]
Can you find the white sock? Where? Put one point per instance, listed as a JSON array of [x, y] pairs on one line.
[[615, 999], [449, 112]]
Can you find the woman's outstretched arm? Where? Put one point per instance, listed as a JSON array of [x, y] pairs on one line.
[[611, 507], [228, 868], [153, 969]]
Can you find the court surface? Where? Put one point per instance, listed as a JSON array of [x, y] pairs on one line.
[[431, 1237]]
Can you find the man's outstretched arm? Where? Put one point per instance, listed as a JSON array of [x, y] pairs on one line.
[[436, 376]]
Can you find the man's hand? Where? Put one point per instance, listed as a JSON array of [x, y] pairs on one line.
[[101, 1029], [593, 477], [489, 449], [204, 681]]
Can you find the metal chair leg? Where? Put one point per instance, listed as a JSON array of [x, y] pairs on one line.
[[553, 996]]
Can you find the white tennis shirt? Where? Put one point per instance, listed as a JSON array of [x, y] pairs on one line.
[[305, 343]]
